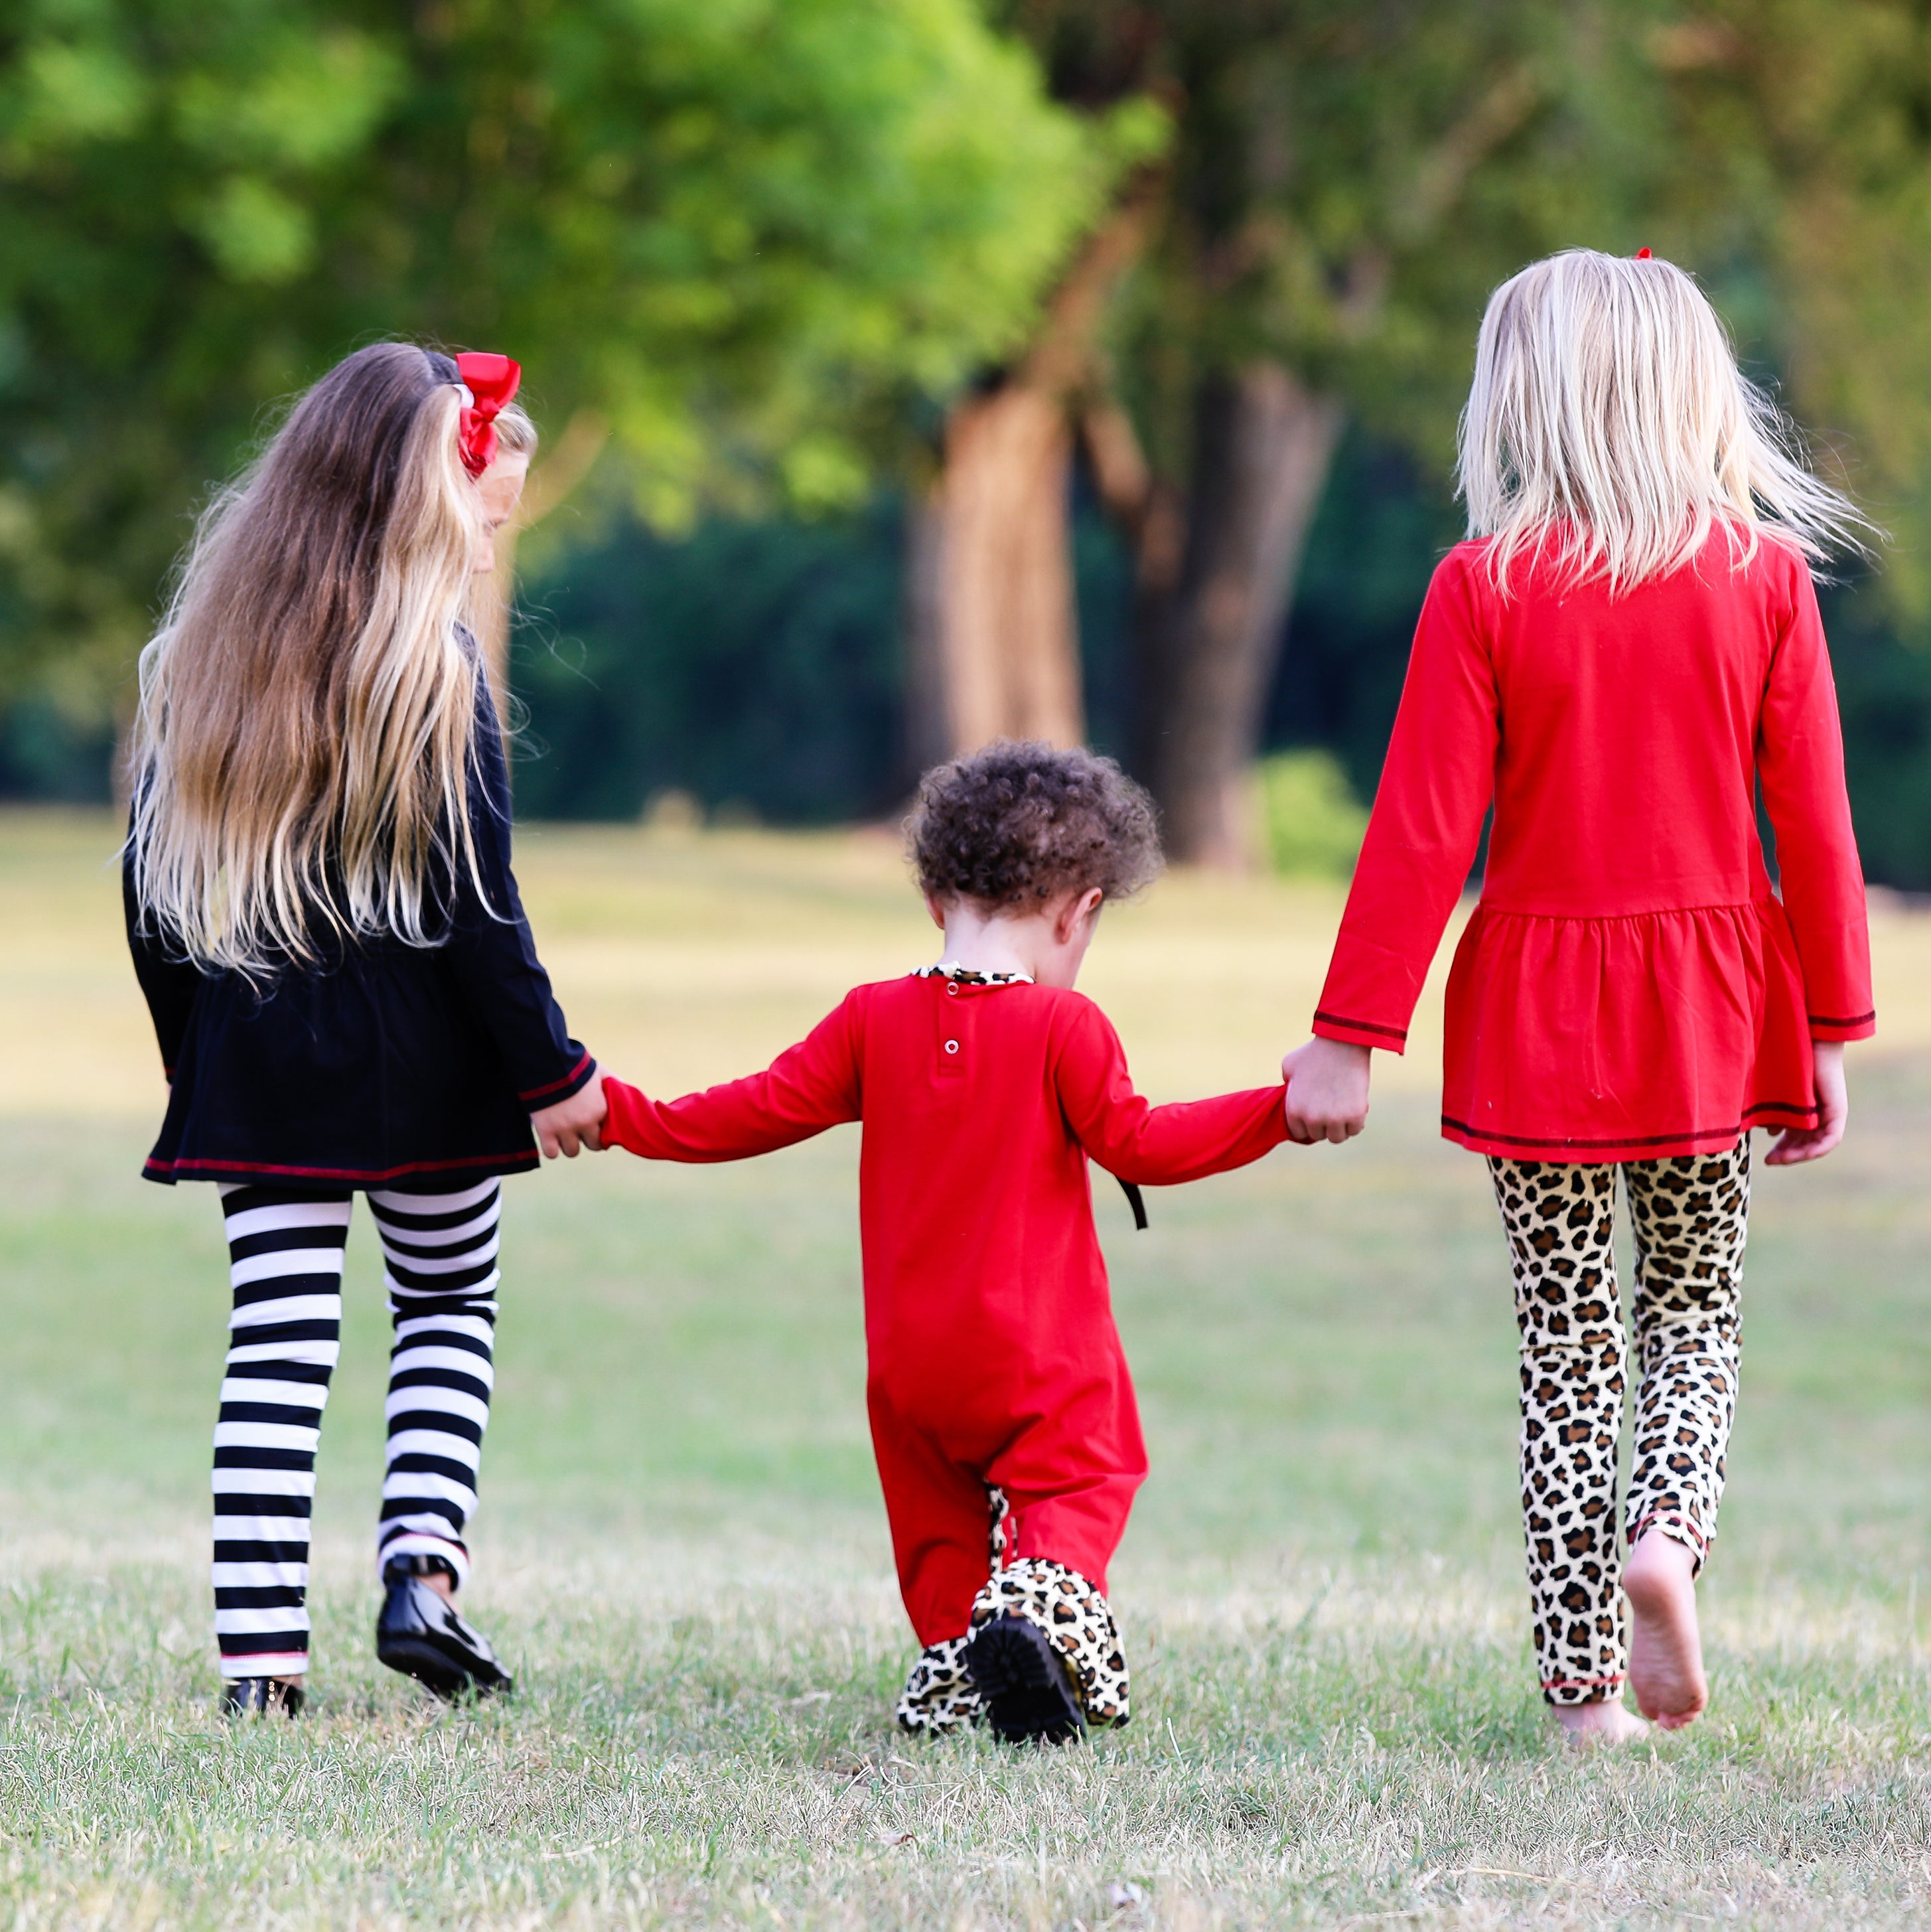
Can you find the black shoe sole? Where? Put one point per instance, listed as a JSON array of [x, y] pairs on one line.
[[416, 1658], [1028, 1692], [260, 1697]]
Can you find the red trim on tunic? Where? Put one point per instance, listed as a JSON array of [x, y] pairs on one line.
[[178, 1168], [556, 1086]]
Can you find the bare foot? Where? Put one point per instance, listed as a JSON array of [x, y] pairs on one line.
[[1666, 1649], [1607, 1721]]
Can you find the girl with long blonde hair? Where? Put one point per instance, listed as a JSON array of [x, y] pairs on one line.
[[344, 986], [1625, 649]]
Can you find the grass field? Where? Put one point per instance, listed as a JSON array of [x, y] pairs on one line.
[[683, 1553]]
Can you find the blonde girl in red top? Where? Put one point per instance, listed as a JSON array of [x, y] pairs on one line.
[[1626, 649]]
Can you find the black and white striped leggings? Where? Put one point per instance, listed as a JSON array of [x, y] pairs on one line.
[[285, 1254]]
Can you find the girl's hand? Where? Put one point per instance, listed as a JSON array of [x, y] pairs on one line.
[[1833, 1109], [573, 1124], [1327, 1091]]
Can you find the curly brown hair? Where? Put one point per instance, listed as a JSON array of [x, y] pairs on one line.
[[1018, 823]]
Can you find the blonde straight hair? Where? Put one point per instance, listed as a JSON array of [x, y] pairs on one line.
[[1609, 428], [300, 757]]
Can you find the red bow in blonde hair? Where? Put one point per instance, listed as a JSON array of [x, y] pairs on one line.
[[491, 381]]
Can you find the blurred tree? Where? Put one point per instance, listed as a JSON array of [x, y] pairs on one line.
[[994, 643], [754, 664], [733, 235], [1805, 129], [1344, 184]]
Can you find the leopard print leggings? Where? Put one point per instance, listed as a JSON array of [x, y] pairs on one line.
[[939, 1695], [1689, 1216]]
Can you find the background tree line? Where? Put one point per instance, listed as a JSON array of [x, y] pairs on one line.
[[914, 369]]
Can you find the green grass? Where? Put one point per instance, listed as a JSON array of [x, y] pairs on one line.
[[682, 1550]]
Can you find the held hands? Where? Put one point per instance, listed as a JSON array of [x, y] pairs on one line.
[[573, 1124], [1327, 1091], [1833, 1109]]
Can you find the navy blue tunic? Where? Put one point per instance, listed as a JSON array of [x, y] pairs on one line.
[[384, 1065]]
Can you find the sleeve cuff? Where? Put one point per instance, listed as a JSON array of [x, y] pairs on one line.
[[1855, 1026], [1360, 1033], [537, 1098]]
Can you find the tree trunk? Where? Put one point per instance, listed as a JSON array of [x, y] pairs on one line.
[[1208, 632], [995, 648], [994, 642]]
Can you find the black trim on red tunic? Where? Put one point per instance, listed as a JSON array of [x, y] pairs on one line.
[[1729, 1135], [1321, 1018]]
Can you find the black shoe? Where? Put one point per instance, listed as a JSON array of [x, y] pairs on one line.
[[1028, 1690], [260, 1697], [419, 1633]]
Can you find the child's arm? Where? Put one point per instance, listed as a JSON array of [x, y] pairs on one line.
[[1801, 761], [809, 1088], [1427, 822], [1138, 1142]]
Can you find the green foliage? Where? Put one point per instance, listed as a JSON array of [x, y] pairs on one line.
[[758, 663], [1804, 131], [742, 231], [1384, 522], [1883, 664], [47, 755], [753, 665], [1312, 822], [1345, 183]]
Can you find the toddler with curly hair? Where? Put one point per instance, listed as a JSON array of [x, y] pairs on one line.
[[1003, 1414]]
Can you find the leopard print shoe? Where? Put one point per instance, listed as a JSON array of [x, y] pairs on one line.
[[939, 1697], [1078, 1624]]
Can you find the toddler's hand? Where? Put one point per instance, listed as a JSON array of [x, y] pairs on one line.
[[1327, 1091], [1833, 1109], [573, 1124]]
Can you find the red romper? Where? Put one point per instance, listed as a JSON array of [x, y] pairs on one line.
[[1629, 986], [993, 1358]]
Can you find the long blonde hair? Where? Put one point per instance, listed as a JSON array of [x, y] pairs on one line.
[[1609, 428], [301, 758]]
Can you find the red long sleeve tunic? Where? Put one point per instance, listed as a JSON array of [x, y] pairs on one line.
[[1630, 986], [988, 1325]]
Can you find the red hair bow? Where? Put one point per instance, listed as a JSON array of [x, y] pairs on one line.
[[491, 381], [1642, 255]]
